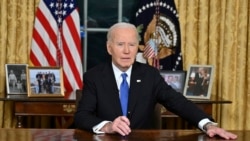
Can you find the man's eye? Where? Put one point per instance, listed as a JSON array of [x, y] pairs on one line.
[[132, 45], [120, 44]]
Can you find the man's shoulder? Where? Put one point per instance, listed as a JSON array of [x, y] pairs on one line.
[[99, 66], [143, 67], [97, 69]]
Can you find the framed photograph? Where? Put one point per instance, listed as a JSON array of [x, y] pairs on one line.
[[16, 78], [199, 80], [45, 82], [176, 79]]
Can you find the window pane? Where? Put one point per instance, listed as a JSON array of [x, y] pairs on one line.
[[102, 13], [97, 52], [129, 8]]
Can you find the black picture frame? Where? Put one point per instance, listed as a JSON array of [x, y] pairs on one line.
[[16, 78], [176, 79]]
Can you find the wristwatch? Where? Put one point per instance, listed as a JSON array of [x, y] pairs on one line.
[[205, 127]]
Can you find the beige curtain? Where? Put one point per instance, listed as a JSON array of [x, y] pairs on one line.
[[215, 32]]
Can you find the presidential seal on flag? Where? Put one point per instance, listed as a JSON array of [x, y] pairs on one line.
[[158, 25]]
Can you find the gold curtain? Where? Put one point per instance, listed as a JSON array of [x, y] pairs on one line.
[[16, 24], [215, 32]]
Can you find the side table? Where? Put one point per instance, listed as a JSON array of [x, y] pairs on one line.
[[25, 106]]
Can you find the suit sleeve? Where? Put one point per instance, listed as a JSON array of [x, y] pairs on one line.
[[85, 118]]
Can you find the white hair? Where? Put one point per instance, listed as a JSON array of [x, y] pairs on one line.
[[121, 25]]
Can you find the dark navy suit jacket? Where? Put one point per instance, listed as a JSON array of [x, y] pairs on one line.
[[100, 98]]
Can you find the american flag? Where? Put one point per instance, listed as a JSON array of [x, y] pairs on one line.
[[56, 41], [150, 50]]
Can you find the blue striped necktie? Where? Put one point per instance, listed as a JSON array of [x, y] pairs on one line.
[[124, 94]]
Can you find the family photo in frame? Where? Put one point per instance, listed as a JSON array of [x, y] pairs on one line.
[[45, 82], [199, 81], [176, 79], [16, 78]]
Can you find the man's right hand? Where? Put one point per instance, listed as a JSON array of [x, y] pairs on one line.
[[119, 125]]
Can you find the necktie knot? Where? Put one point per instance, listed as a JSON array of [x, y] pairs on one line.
[[124, 76]]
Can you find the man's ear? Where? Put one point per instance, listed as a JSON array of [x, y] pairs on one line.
[[108, 46]]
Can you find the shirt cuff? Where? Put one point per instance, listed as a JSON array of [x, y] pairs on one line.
[[203, 122], [96, 129]]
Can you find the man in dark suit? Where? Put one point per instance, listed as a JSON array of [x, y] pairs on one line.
[[100, 110]]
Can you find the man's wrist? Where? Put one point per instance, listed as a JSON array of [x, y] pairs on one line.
[[97, 128], [203, 122], [107, 128], [209, 124]]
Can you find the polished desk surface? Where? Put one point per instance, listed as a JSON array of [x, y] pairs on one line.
[[136, 135]]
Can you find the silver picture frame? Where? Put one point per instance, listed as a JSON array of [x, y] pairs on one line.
[[176, 79], [199, 81]]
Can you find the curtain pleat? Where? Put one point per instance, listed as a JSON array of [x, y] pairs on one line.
[[16, 24], [217, 33]]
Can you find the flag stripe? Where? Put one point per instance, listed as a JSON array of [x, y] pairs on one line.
[[47, 26], [70, 60], [150, 49], [45, 40], [45, 51], [73, 39], [34, 59], [75, 35]]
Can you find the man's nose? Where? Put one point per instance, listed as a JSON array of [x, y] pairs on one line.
[[126, 49]]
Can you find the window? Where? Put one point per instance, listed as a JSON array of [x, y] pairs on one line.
[[96, 17]]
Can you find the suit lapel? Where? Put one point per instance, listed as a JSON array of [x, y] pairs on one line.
[[135, 86], [112, 91]]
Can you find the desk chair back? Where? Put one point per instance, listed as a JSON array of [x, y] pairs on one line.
[[78, 96]]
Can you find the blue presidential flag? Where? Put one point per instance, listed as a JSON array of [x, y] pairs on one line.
[[158, 21]]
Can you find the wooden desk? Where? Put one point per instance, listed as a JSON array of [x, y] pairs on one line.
[[24, 106], [136, 135]]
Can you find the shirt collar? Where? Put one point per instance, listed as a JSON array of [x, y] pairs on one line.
[[118, 73]]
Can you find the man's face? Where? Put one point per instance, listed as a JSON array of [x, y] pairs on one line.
[[123, 48], [201, 71]]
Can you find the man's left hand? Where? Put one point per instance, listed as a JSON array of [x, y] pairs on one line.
[[213, 130]]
